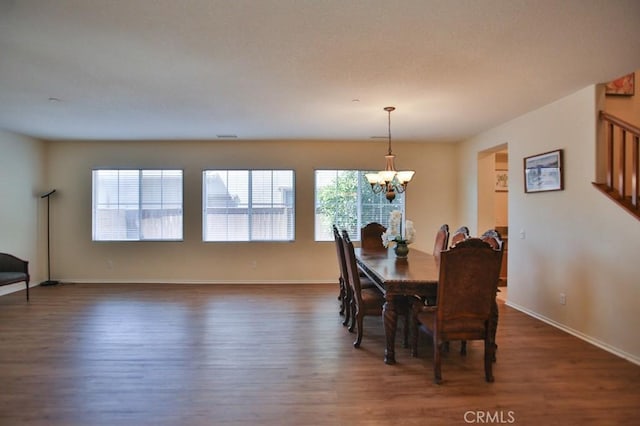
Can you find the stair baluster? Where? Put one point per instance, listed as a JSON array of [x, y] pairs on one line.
[[621, 171]]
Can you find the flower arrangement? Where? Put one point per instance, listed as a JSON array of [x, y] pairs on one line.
[[394, 233]]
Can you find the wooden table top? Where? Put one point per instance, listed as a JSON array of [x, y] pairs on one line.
[[384, 268]]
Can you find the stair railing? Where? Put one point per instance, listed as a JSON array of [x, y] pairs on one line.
[[621, 162]]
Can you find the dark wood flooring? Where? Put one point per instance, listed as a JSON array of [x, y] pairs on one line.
[[142, 354]]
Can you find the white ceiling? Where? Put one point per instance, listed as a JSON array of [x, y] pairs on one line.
[[300, 69]]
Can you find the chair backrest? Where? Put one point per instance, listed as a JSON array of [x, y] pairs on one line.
[[492, 237], [352, 268], [441, 242], [342, 263], [467, 286], [371, 236], [461, 234]]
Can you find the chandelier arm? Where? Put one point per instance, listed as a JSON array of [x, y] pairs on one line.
[[400, 188], [377, 188]]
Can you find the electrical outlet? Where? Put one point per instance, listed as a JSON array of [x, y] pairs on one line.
[[523, 234], [563, 299]]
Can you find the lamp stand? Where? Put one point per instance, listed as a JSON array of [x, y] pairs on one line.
[[49, 281]]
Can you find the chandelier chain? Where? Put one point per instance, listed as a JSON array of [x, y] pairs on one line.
[[390, 181]]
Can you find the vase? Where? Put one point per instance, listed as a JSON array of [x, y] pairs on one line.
[[402, 250]]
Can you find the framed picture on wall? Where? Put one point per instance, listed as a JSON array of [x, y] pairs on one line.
[[501, 181], [623, 86], [543, 172]]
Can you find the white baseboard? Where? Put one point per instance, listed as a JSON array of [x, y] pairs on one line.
[[204, 282], [622, 354], [12, 288]]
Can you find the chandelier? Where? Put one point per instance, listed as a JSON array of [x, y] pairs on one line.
[[389, 180]]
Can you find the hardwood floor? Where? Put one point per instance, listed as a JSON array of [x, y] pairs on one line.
[[143, 354]]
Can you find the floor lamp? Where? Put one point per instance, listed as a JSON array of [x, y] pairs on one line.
[[49, 281]]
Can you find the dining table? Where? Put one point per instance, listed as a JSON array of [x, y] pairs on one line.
[[397, 278]]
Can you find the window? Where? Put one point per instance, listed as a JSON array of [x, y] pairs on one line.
[[248, 205], [136, 205], [344, 198]]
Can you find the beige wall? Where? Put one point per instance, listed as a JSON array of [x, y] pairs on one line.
[[430, 201], [22, 223], [576, 241]]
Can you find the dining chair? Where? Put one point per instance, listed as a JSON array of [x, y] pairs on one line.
[[371, 236], [364, 301], [441, 243], [467, 285], [342, 282], [345, 290], [493, 238], [461, 234]]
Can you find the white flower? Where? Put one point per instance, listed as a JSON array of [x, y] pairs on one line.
[[395, 222], [387, 237], [409, 231], [394, 232]]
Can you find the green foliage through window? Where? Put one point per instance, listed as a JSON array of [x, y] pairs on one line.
[[344, 198]]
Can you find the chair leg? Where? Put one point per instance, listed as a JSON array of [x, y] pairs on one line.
[[403, 305], [360, 321], [437, 369], [347, 306], [493, 323], [463, 347], [27, 284], [415, 331], [405, 342], [352, 304], [489, 353], [341, 295]]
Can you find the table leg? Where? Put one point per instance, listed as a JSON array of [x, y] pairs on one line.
[[390, 316]]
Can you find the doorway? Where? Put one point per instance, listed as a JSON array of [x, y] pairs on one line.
[[493, 197]]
